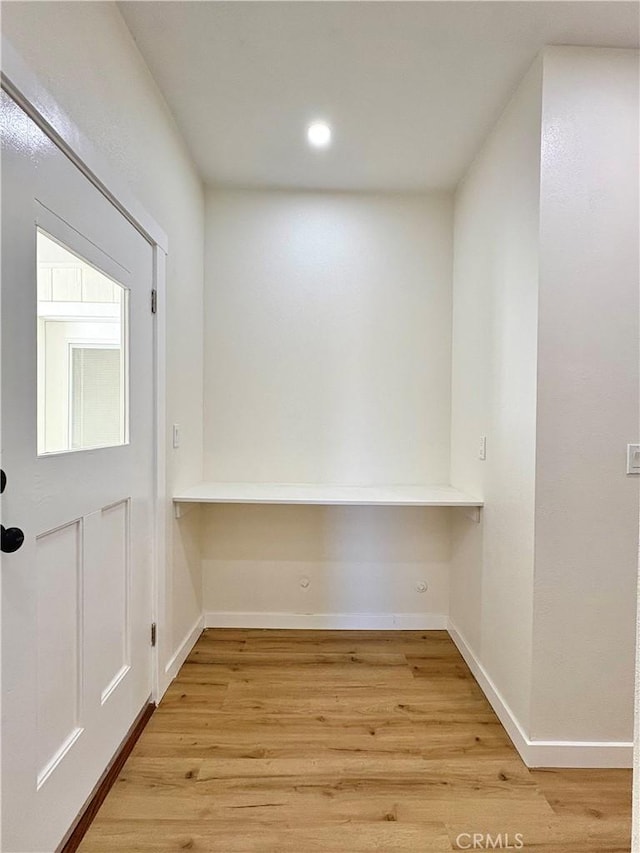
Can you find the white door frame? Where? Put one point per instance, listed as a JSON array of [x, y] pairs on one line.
[[22, 85]]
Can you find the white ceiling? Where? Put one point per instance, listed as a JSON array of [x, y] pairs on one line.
[[410, 88]]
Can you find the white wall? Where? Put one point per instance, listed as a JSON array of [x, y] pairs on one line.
[[495, 282], [327, 344], [545, 363], [85, 56], [327, 359], [586, 506], [361, 563]]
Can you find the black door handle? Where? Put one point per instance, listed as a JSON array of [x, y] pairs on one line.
[[12, 539]]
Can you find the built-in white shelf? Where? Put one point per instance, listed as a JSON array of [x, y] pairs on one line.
[[323, 494]]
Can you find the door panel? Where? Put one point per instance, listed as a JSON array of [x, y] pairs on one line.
[[59, 644], [113, 627], [77, 595]]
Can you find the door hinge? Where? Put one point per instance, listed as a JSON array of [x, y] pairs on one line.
[[154, 301], [154, 634]]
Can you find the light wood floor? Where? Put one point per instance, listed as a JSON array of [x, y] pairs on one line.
[[301, 741]]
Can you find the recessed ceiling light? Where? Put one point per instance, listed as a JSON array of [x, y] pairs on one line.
[[319, 134]]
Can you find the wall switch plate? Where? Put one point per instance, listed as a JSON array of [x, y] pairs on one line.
[[176, 435], [482, 448], [633, 458]]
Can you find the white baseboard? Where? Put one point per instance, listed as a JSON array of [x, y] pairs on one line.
[[584, 754], [182, 652], [328, 621], [540, 753]]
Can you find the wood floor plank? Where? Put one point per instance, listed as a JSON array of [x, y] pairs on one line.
[[333, 766], [342, 742], [595, 793], [474, 739], [309, 659], [313, 673], [282, 745], [413, 700], [173, 836], [194, 696]]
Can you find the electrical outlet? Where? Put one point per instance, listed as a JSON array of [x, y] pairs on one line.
[[482, 448]]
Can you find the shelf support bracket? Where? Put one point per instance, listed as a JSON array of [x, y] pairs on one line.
[[473, 513], [180, 509]]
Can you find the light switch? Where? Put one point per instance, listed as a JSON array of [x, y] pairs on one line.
[[176, 435], [482, 448], [633, 458]]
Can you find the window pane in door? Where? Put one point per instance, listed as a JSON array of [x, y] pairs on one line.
[[82, 353]]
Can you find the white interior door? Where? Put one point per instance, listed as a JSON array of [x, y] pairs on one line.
[[78, 451]]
